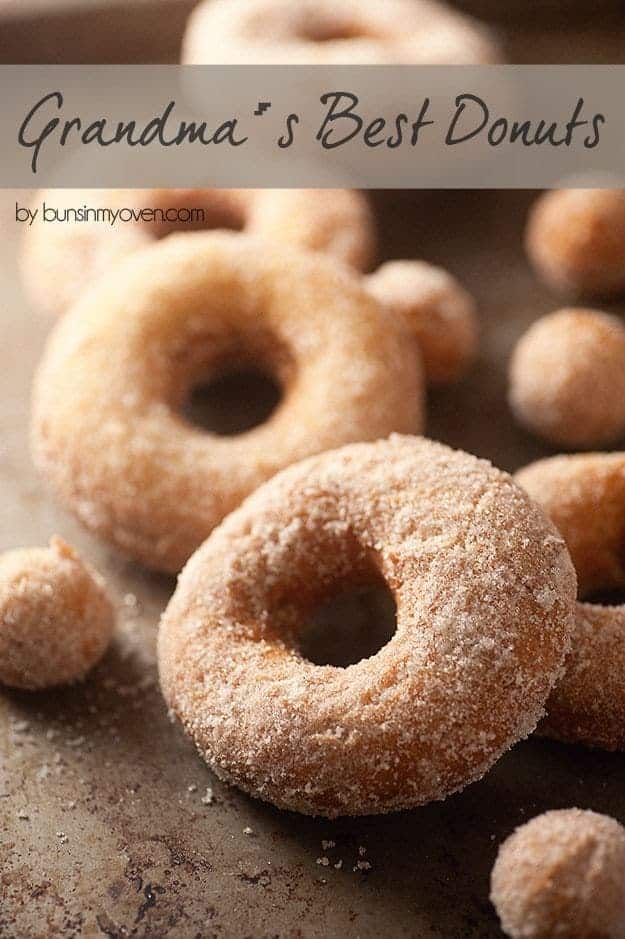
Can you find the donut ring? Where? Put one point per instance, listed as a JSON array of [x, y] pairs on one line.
[[567, 378], [561, 874], [584, 495], [107, 432], [60, 260], [485, 595], [575, 239], [327, 32], [56, 620]]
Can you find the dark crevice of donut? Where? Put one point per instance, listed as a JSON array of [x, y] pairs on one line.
[[614, 597], [351, 625], [322, 30], [196, 210], [233, 402]]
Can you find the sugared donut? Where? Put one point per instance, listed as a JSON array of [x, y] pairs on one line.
[[56, 620], [326, 32], [436, 309], [562, 875], [584, 495], [107, 426], [484, 591], [575, 238], [60, 259], [567, 378]]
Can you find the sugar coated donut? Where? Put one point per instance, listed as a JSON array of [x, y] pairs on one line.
[[436, 309], [584, 495], [107, 427], [59, 259], [351, 32], [567, 378], [575, 238], [484, 591], [562, 875], [55, 618]]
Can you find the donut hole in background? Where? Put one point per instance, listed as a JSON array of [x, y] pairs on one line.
[[614, 596], [234, 401], [321, 29], [351, 625], [221, 209]]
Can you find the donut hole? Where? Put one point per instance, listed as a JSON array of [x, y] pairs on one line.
[[611, 597], [236, 400], [188, 210], [320, 29], [350, 625]]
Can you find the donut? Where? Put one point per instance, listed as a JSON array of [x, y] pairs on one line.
[[60, 259], [484, 591], [56, 620], [330, 32], [562, 874], [108, 432], [567, 379], [575, 239], [436, 310], [584, 495]]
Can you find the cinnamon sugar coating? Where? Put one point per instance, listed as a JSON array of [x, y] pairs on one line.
[[108, 433], [352, 32], [575, 238], [584, 495], [435, 309], [567, 378], [59, 261], [562, 875], [56, 620], [484, 590]]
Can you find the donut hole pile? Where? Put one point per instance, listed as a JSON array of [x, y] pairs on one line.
[[351, 625]]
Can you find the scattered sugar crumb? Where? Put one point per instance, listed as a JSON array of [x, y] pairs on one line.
[[248, 831], [323, 861], [338, 865], [328, 844], [208, 798], [192, 788], [23, 815], [362, 866]]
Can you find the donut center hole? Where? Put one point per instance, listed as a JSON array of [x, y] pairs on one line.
[[351, 625], [196, 211], [612, 597], [322, 30], [233, 402]]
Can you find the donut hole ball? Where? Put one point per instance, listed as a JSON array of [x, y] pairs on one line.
[[567, 379], [56, 620], [435, 309], [575, 239], [562, 874]]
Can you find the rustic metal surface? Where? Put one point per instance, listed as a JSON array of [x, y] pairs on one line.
[[103, 831]]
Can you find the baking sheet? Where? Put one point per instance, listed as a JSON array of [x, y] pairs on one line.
[[117, 841]]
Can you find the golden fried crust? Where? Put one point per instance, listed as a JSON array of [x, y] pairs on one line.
[[326, 32], [59, 261], [56, 620], [107, 432], [575, 238], [485, 593], [562, 875], [567, 378], [584, 495]]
